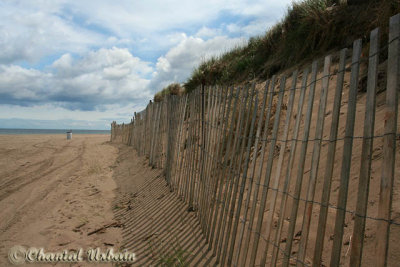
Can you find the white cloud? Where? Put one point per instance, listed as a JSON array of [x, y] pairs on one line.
[[105, 76], [29, 34], [179, 61]]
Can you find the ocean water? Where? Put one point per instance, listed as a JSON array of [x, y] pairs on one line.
[[51, 131]]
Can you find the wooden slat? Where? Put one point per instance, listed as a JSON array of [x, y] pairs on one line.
[[230, 173], [268, 171], [319, 243], [189, 160], [202, 148], [179, 155], [346, 158], [389, 143], [182, 153], [243, 182], [214, 150], [176, 139], [300, 170], [196, 148], [279, 165], [199, 149], [219, 177], [155, 112], [187, 150], [289, 167], [233, 189], [216, 164], [211, 115], [269, 88], [253, 167], [192, 154], [167, 168], [206, 122], [224, 179], [314, 162]]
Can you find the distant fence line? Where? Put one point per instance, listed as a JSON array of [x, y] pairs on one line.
[[239, 157]]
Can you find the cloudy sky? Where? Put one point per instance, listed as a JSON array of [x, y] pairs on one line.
[[81, 64]]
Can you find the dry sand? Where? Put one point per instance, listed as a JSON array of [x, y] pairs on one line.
[[53, 192]]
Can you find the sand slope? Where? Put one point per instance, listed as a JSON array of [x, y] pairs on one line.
[[157, 225]]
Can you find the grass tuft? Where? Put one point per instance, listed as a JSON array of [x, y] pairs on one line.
[[172, 89]]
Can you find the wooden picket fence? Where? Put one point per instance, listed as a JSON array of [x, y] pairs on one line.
[[292, 171]]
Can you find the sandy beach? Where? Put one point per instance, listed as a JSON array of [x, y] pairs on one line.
[[54, 192], [60, 194]]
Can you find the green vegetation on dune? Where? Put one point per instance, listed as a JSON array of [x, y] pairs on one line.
[[309, 29], [172, 89]]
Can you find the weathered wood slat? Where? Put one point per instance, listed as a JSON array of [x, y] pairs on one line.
[[270, 88], [346, 158], [222, 170], [319, 243], [243, 182], [230, 150], [293, 147], [251, 178], [236, 172], [230, 173], [268, 171], [217, 165], [214, 149], [314, 161], [300, 170], [389, 143], [279, 165]]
